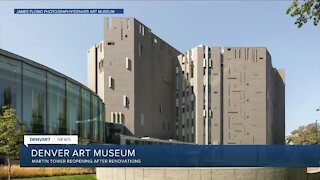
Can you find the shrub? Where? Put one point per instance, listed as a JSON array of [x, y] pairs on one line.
[[20, 172]]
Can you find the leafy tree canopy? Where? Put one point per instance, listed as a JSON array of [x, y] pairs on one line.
[[309, 134], [304, 11], [11, 135]]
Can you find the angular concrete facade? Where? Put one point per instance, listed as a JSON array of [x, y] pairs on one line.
[[229, 96], [95, 71], [134, 76], [207, 95], [253, 94]]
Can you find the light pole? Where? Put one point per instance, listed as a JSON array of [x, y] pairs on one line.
[[317, 128], [316, 131]]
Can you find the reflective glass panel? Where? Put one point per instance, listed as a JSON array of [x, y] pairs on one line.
[[95, 119], [86, 114], [10, 84], [57, 123], [34, 99], [73, 107]]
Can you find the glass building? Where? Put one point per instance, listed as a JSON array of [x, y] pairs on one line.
[[48, 102]]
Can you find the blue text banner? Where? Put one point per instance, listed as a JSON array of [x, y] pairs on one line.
[[169, 156]]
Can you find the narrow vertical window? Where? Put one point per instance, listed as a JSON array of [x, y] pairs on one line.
[[122, 118], [119, 117], [125, 101], [116, 117], [128, 23], [112, 117], [101, 65], [140, 49], [191, 69], [210, 113], [128, 63], [142, 30], [110, 82], [142, 119]]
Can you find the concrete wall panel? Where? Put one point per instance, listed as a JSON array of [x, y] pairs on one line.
[[176, 174], [204, 174]]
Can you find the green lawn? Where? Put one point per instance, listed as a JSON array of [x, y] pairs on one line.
[[77, 177]]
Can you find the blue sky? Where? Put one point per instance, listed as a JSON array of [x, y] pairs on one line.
[[61, 41]]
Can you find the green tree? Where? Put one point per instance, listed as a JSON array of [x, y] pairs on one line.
[[304, 11], [305, 135], [11, 135]]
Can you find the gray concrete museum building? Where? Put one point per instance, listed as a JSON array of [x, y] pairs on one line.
[[207, 95]]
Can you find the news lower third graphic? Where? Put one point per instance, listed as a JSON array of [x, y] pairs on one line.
[[45, 151], [50, 139], [68, 11]]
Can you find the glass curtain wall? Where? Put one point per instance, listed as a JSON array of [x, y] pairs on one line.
[[50, 103], [10, 86]]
